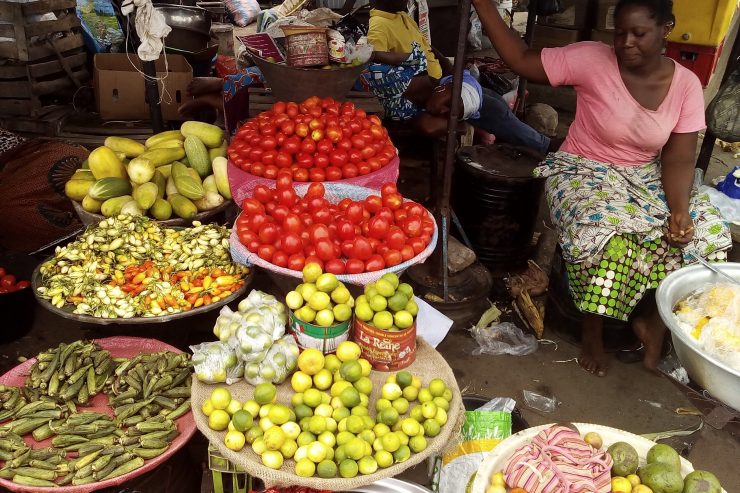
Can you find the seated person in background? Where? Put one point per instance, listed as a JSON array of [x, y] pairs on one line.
[[407, 78]]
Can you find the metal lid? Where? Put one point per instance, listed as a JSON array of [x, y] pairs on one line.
[[501, 160]]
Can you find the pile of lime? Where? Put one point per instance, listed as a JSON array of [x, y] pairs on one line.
[[321, 299], [387, 304], [328, 429]]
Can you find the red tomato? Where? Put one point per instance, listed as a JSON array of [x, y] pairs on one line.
[[324, 146], [345, 230], [373, 203], [345, 144], [375, 120], [374, 263], [355, 266], [417, 244], [316, 175], [392, 257], [257, 169], [362, 248], [325, 249], [416, 210], [338, 158], [304, 160], [407, 253], [268, 157], [344, 203], [377, 132], [334, 134], [378, 227], [318, 232], [246, 237], [308, 146], [263, 193], [268, 143], [296, 261], [287, 128], [301, 130], [300, 175], [355, 156], [393, 201], [255, 155], [279, 213], [358, 142], [317, 135], [388, 188], [269, 233], [412, 226], [265, 252], [427, 227], [396, 239], [333, 173], [335, 266], [315, 190], [363, 168], [321, 161], [400, 215], [22, 285], [283, 160], [279, 107], [271, 171], [355, 212], [349, 171], [367, 152], [355, 126], [286, 197], [292, 223], [374, 164], [292, 243], [268, 130], [292, 145], [252, 206], [257, 220]]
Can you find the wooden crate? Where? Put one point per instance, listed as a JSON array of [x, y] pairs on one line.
[[262, 100], [26, 87], [30, 38]]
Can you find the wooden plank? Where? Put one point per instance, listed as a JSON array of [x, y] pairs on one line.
[[16, 106], [44, 69], [7, 30], [52, 86], [44, 6], [46, 27], [9, 50], [13, 72], [8, 11], [65, 44], [16, 89]]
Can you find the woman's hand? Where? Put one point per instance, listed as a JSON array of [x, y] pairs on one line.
[[680, 229]]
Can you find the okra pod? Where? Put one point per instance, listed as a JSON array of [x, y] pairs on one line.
[[101, 462], [83, 395], [88, 448], [13, 400], [150, 426], [78, 374], [165, 402], [72, 390], [19, 460], [34, 407], [129, 410], [65, 480], [86, 460], [132, 420], [90, 382], [112, 465], [46, 431], [162, 383], [80, 481], [180, 410], [7, 473], [153, 443], [50, 414], [84, 418], [126, 468], [42, 464], [30, 425], [67, 440], [5, 455], [149, 453], [133, 382], [53, 388], [128, 393], [33, 472], [112, 450], [47, 453], [176, 392], [28, 481], [49, 371]]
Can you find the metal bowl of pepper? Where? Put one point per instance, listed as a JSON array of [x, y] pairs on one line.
[[129, 270]]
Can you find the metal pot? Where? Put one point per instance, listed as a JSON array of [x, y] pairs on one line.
[[716, 377], [191, 27]]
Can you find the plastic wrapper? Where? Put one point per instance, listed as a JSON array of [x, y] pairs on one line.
[[279, 361], [711, 316], [481, 432], [337, 46], [350, 28], [243, 12], [503, 338], [216, 362]]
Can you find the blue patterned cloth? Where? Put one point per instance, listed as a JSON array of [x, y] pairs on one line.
[[389, 83]]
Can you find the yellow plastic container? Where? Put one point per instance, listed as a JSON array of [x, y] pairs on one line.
[[702, 22]]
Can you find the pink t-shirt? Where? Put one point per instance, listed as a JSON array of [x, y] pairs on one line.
[[610, 125]]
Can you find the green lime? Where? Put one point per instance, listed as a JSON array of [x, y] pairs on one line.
[[442, 403], [381, 429], [355, 448], [402, 454], [410, 427], [295, 400], [370, 290], [351, 371], [404, 378], [253, 434], [355, 424], [350, 397], [369, 422], [340, 454], [364, 385], [401, 405], [383, 320], [344, 437], [340, 413], [242, 420], [360, 411], [390, 442], [302, 411], [367, 435], [317, 425], [367, 465], [381, 404], [342, 312], [411, 393], [378, 303], [424, 395], [289, 448], [279, 414], [384, 458], [312, 397], [326, 469], [391, 278], [437, 387], [447, 395], [388, 416], [397, 302], [316, 452], [328, 439], [417, 443], [305, 438], [429, 410], [384, 288], [265, 393], [305, 468], [364, 312], [348, 468], [431, 428], [416, 414], [403, 319], [406, 289]]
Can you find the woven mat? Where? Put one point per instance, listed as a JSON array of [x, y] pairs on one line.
[[429, 364]]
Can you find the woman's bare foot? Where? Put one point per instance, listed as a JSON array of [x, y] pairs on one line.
[[650, 330], [593, 358], [205, 85]]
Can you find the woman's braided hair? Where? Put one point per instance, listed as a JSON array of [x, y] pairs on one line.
[[660, 10]]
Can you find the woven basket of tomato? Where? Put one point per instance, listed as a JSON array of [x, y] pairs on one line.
[[350, 231], [318, 140]]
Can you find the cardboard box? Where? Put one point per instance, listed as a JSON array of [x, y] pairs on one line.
[[606, 37], [552, 37], [576, 14], [120, 90], [605, 15]]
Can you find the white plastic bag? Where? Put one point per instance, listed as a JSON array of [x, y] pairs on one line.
[[503, 338], [216, 362]]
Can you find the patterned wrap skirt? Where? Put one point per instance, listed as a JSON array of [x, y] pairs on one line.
[[612, 222]]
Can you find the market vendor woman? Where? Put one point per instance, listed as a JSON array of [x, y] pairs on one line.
[[620, 189]]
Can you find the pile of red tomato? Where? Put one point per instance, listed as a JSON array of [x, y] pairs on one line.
[[350, 237], [317, 140], [8, 282]]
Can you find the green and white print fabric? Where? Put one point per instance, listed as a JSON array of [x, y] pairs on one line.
[[611, 222]]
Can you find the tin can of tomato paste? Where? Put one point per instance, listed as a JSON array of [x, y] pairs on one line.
[[385, 350], [306, 46], [325, 339]]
